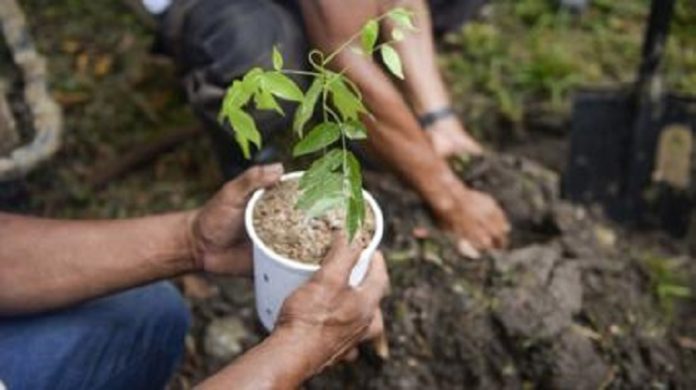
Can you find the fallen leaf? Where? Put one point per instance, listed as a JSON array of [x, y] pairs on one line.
[[67, 99], [70, 46], [82, 63], [102, 66]]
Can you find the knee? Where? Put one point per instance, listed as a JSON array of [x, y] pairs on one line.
[[158, 310]]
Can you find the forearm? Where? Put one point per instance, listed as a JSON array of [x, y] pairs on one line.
[[423, 82], [46, 264], [395, 135], [277, 363]]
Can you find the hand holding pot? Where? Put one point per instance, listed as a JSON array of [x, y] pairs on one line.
[[327, 315], [217, 236]]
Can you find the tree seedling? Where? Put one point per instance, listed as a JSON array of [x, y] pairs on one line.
[[333, 180]]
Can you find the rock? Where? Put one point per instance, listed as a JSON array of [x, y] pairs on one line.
[[530, 265], [566, 287], [576, 364], [531, 313], [545, 292], [224, 338]]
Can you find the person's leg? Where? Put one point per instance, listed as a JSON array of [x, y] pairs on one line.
[[214, 42], [131, 340]]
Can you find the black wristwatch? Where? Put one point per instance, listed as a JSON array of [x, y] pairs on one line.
[[431, 117]]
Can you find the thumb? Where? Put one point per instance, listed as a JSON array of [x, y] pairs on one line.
[[261, 176]]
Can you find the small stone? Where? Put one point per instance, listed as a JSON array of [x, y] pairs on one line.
[[605, 236], [224, 337], [420, 233]]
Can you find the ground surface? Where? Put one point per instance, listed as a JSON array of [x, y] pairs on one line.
[[575, 303]]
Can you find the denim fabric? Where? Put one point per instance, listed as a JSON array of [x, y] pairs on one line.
[[131, 340]]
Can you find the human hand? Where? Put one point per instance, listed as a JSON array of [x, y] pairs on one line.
[[476, 219], [449, 138], [217, 236], [327, 316]]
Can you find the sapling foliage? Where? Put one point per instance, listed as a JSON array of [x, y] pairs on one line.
[[334, 179]]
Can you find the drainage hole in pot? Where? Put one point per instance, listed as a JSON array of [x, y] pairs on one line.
[[265, 277]]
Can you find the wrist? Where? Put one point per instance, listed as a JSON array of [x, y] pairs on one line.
[[303, 354], [194, 260], [438, 189]]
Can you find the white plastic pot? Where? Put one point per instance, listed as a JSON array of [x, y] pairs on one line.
[[276, 276]]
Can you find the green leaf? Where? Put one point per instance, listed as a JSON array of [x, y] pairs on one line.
[[277, 59], [265, 101], [354, 176], [245, 130], [346, 101], [325, 204], [402, 17], [355, 207], [392, 61], [330, 162], [236, 96], [398, 35], [353, 221], [320, 137], [354, 130], [368, 36], [306, 109], [671, 290], [311, 198], [281, 86], [252, 80]]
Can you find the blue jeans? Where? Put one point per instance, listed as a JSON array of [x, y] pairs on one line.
[[131, 340]]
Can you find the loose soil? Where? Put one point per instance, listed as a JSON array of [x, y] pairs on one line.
[[289, 232]]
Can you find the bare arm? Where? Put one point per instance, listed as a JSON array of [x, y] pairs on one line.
[[395, 135], [47, 264]]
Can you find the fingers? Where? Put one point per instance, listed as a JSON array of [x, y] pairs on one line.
[[467, 250], [376, 327], [351, 355], [342, 257], [376, 283], [240, 189]]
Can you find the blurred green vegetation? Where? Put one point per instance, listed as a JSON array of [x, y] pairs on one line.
[[525, 55], [668, 281], [522, 58]]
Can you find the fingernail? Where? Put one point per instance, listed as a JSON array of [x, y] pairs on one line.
[[273, 169], [467, 250]]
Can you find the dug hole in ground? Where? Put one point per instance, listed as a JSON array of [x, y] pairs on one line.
[[288, 246]]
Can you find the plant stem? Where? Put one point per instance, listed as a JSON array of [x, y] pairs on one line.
[[350, 40], [300, 72]]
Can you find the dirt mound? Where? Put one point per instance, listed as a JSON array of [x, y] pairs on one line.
[[570, 307]]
